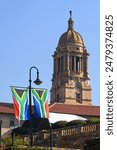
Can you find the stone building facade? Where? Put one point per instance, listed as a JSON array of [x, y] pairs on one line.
[[7, 118], [70, 81]]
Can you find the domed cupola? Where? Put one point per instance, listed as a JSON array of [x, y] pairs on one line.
[[70, 36]]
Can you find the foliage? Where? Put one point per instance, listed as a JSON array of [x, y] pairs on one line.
[[17, 141], [93, 120], [24, 148], [19, 144], [76, 122], [59, 124], [20, 141], [7, 141], [62, 124]]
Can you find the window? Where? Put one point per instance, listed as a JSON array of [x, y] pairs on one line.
[[60, 64], [57, 97], [78, 96], [12, 121], [72, 63], [75, 63]]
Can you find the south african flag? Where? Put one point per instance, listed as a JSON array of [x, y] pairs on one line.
[[20, 99], [40, 100]]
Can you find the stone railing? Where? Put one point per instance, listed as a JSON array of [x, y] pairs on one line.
[[78, 129], [90, 128], [72, 136]]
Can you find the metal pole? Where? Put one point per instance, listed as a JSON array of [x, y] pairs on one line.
[[12, 136], [37, 81], [30, 108], [30, 122]]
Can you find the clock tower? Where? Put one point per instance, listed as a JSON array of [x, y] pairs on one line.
[[70, 81]]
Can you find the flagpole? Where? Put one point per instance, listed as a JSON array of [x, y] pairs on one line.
[[37, 82], [30, 108]]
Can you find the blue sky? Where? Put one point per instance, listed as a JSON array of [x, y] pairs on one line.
[[29, 34]]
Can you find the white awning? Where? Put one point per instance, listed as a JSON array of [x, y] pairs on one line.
[[54, 117]]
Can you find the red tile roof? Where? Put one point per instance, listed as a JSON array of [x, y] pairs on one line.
[[60, 108], [75, 109], [6, 110]]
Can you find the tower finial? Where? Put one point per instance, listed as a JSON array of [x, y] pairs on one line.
[[70, 13], [70, 22]]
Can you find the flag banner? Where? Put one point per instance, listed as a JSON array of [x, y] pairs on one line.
[[40, 100], [20, 100]]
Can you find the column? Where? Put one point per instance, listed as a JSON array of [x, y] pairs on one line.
[[54, 66], [68, 62], [80, 64], [74, 63], [86, 65]]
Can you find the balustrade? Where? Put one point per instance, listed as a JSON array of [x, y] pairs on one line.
[[73, 130]]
